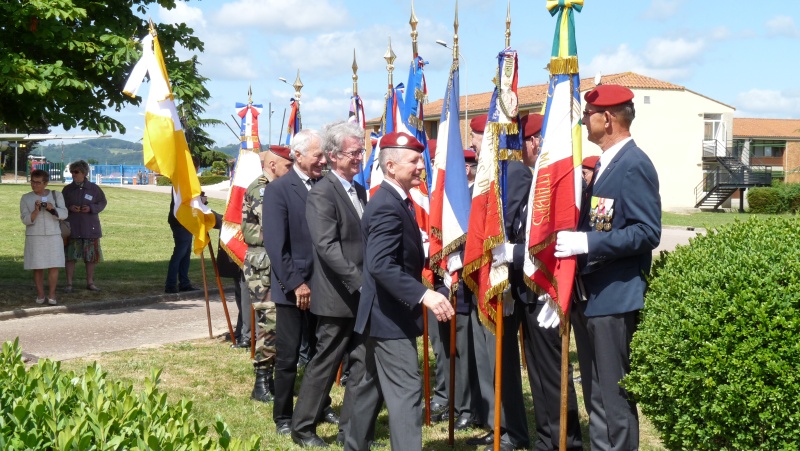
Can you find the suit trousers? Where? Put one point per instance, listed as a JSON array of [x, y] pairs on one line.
[[356, 360], [243, 323], [604, 349], [333, 338], [288, 328], [543, 356], [466, 370], [391, 369], [442, 373], [513, 420]]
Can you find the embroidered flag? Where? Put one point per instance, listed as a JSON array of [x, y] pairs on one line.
[[295, 125]]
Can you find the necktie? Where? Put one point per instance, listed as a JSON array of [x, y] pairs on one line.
[[410, 207], [596, 171], [309, 184], [355, 200]]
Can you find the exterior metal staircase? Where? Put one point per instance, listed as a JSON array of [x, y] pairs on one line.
[[732, 172]]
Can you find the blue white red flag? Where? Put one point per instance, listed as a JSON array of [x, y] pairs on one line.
[[391, 122], [295, 125], [450, 198]]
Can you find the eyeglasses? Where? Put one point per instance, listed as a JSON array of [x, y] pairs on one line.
[[587, 113], [355, 153]]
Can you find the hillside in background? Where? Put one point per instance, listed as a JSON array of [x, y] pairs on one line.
[[104, 151]]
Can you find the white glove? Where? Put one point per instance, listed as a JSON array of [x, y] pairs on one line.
[[508, 303], [454, 262], [502, 254], [571, 243], [548, 317]]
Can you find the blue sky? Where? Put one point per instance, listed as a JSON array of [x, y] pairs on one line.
[[738, 52]]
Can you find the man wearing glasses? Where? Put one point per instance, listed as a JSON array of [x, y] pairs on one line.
[[619, 227], [333, 210]]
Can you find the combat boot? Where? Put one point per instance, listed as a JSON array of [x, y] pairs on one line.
[[261, 391]]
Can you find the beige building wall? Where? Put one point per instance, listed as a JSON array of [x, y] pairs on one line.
[[669, 129], [791, 161]]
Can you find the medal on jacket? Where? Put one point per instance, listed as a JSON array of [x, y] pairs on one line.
[[601, 213]]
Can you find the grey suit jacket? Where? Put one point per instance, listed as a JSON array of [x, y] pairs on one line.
[[335, 230]]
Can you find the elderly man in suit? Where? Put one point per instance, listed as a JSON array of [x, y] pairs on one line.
[[390, 310], [333, 208], [618, 229], [288, 244]]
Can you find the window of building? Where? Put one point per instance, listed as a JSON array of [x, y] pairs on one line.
[[765, 148]]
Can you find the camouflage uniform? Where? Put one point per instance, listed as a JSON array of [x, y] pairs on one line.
[[257, 272]]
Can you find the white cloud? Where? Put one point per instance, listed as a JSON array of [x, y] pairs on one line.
[[623, 59], [782, 26], [662, 9], [669, 53], [282, 16], [770, 103], [183, 13]]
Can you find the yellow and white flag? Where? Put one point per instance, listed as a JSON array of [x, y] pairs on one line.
[[165, 149]]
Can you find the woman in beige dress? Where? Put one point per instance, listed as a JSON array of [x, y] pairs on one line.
[[40, 211]]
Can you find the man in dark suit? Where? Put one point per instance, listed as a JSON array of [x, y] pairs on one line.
[[390, 310], [288, 244], [542, 344], [334, 208], [618, 229]]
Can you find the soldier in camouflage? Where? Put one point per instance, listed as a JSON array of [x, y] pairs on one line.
[[275, 162]]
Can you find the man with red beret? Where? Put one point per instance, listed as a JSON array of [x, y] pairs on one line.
[[275, 162], [477, 125], [618, 229], [389, 316], [588, 168]]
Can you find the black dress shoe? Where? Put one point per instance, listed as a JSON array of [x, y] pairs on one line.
[[170, 290], [283, 428], [504, 446], [241, 344], [487, 439], [437, 410], [188, 288], [329, 416], [312, 441], [462, 423], [372, 444]]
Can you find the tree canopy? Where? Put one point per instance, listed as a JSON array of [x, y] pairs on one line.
[[64, 62]]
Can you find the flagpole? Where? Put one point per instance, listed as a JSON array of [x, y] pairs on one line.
[[425, 354], [454, 299], [221, 291], [562, 430], [205, 291]]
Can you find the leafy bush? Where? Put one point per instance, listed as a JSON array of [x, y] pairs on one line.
[[44, 407], [715, 360], [765, 199], [204, 180]]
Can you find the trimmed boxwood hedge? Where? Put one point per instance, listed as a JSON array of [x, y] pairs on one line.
[[716, 359], [778, 198], [44, 407]]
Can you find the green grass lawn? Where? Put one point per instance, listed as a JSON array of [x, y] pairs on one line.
[[137, 244], [706, 220]]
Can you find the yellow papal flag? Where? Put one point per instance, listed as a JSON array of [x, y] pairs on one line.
[[165, 148]]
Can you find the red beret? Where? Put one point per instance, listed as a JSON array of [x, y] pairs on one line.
[[281, 151], [469, 155], [401, 140], [608, 95], [432, 148], [531, 125], [590, 162], [478, 123]]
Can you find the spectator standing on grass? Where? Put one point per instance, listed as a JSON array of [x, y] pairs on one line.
[[40, 211], [85, 200]]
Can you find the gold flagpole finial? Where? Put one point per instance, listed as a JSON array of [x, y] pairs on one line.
[[152, 27], [455, 35], [413, 22], [298, 85], [250, 93], [390, 57], [508, 25], [355, 74]]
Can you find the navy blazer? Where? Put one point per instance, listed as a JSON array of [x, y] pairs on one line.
[[393, 260], [518, 187], [618, 261], [286, 236]]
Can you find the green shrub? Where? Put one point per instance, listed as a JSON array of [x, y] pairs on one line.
[[204, 180], [44, 407], [765, 199], [715, 360]]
